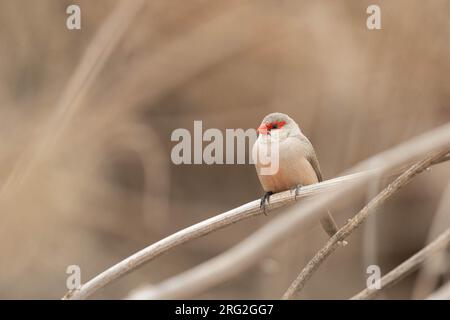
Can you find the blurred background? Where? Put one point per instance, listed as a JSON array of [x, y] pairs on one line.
[[85, 170]]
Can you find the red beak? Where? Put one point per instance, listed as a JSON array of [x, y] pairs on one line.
[[263, 129]]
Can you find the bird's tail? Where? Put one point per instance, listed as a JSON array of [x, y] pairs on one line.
[[328, 224]]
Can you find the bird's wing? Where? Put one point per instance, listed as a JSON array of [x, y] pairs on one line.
[[315, 164], [312, 157], [327, 221]]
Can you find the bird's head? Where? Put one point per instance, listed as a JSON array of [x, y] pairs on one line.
[[280, 123]]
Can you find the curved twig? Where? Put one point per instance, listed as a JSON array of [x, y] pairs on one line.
[[233, 261], [407, 266], [356, 221], [256, 245], [205, 227]]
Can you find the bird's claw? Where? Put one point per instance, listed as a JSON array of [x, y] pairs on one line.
[[264, 198], [297, 191]]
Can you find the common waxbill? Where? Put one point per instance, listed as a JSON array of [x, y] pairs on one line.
[[297, 161]]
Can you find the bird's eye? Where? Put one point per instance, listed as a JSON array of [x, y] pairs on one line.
[[274, 126], [280, 124]]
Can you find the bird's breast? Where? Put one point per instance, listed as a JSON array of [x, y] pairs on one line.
[[293, 167]]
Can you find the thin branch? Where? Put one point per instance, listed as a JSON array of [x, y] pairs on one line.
[[205, 227], [249, 251], [256, 246], [401, 271], [356, 221], [443, 293]]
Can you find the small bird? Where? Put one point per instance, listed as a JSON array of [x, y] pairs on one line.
[[297, 161]]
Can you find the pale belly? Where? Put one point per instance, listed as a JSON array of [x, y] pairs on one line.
[[293, 170]]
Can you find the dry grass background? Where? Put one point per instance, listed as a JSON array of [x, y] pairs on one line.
[[105, 186]]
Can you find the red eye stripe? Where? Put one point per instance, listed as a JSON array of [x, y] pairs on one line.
[[277, 124], [266, 127]]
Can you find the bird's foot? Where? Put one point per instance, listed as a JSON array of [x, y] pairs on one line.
[[264, 198], [297, 190]]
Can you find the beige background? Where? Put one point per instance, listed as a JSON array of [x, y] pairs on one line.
[[104, 187]]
